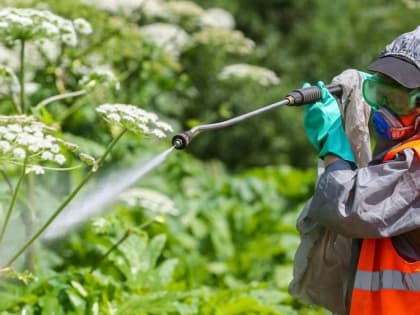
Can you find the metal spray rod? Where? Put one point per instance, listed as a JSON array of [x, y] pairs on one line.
[[295, 98]]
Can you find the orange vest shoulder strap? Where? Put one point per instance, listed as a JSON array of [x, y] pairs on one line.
[[414, 144]]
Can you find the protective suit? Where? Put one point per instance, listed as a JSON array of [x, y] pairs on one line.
[[363, 198]]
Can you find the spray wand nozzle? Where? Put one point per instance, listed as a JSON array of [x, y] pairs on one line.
[[297, 97]]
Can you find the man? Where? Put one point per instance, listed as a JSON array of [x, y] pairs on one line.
[[360, 232]]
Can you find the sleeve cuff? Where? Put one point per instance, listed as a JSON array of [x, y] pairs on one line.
[[339, 165]]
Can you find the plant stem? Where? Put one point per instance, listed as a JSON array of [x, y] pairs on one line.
[[66, 201], [59, 97], [113, 247], [65, 114], [27, 217], [14, 102], [21, 109], [12, 202], [126, 234]]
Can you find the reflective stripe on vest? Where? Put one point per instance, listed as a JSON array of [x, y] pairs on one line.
[[386, 284], [387, 279]]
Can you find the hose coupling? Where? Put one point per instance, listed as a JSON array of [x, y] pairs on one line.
[[182, 140]]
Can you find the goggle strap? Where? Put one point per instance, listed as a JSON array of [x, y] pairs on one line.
[[391, 118], [400, 132]]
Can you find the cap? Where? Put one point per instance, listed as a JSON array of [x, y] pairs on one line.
[[400, 60]]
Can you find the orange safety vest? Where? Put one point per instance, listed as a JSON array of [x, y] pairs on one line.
[[385, 283]]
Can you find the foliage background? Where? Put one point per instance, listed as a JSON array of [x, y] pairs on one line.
[[237, 192]]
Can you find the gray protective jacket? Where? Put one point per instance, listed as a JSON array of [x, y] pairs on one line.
[[380, 199]]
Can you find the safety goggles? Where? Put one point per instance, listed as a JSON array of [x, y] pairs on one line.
[[380, 93]]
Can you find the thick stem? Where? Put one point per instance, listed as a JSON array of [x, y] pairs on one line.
[[66, 201], [12, 202], [22, 77], [59, 97]]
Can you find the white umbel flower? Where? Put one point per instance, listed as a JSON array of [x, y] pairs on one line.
[[135, 119], [24, 138], [82, 26], [99, 76], [19, 153], [4, 146], [154, 8], [36, 169], [47, 156], [32, 24], [217, 18], [184, 9], [9, 57], [171, 38], [151, 8], [231, 41], [150, 200], [60, 159], [260, 75]]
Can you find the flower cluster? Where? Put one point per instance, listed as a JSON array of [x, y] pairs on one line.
[[412, 4], [125, 7], [261, 75], [179, 10], [231, 41], [82, 26], [217, 18], [9, 57], [31, 24], [104, 77], [150, 200], [169, 37], [154, 8], [134, 119], [24, 138], [103, 226]]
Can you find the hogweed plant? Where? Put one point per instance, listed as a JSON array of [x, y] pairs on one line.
[[260, 75], [232, 41], [28, 145], [157, 206], [19, 26], [171, 38], [138, 120], [128, 118], [42, 27]]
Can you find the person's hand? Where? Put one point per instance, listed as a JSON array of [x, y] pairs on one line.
[[324, 129]]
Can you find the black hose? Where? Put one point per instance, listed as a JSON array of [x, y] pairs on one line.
[[297, 97]]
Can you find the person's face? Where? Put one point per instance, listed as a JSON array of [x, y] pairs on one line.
[[382, 91]]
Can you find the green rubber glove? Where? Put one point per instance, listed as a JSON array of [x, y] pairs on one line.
[[324, 129]]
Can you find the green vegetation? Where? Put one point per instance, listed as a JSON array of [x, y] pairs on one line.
[[90, 87]]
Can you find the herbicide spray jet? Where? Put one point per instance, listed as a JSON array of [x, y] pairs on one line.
[[297, 97]]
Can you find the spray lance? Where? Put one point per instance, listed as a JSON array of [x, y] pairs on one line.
[[297, 97]]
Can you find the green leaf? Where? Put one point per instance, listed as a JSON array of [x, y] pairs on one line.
[[155, 248], [166, 270], [50, 304]]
